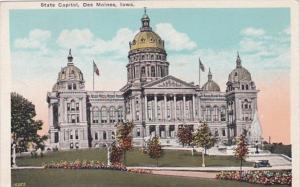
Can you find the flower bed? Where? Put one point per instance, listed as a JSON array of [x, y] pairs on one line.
[[85, 164], [258, 177]]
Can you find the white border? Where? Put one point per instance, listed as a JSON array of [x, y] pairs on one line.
[[5, 81]]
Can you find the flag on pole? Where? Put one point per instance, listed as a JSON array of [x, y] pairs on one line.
[[96, 70], [201, 66]]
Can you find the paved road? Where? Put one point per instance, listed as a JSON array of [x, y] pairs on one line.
[[274, 160], [197, 174]]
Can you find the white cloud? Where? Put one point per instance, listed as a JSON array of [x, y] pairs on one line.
[[36, 39], [75, 38], [89, 44], [174, 39], [251, 31]]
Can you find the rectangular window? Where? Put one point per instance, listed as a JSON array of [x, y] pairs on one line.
[[96, 136], [223, 132], [138, 133], [73, 118], [77, 118], [76, 134], [71, 135], [68, 107], [77, 106], [56, 138]]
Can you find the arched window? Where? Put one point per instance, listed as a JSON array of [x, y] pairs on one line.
[[223, 113], [152, 71], [120, 114], [72, 105], [216, 113], [103, 115], [112, 115], [247, 87], [95, 115], [208, 113]]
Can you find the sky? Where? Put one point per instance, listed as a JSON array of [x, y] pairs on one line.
[[40, 39]]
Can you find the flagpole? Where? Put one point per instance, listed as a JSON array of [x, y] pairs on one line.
[[199, 73], [93, 76]]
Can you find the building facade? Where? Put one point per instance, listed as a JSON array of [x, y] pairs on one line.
[[156, 102]]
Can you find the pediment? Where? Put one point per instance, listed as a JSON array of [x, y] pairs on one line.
[[169, 82]]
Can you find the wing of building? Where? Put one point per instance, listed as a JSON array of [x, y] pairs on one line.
[[157, 103]]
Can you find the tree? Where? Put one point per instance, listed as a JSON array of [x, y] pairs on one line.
[[185, 135], [116, 154], [124, 137], [203, 137], [241, 150], [154, 149], [24, 127]]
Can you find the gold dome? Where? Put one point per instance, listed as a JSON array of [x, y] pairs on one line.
[[146, 38]]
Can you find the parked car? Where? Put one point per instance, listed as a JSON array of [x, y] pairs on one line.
[[262, 163]]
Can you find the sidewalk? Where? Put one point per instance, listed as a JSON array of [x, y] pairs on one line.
[[211, 169]]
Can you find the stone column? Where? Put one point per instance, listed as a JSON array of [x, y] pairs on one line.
[[175, 118], [183, 117], [194, 108], [133, 108], [50, 113], [157, 130], [165, 100], [155, 107], [148, 130], [146, 108], [167, 131]]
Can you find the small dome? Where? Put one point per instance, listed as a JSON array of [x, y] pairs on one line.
[[70, 72], [211, 85], [146, 38], [239, 73]]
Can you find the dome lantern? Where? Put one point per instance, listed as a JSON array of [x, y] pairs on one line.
[[70, 58], [145, 22], [238, 61], [209, 75]]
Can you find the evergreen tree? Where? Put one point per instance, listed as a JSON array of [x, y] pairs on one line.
[[24, 127], [241, 150], [154, 149], [124, 137], [185, 135]]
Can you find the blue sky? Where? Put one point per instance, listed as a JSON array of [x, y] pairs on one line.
[[40, 40]]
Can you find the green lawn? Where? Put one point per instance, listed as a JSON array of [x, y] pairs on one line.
[[134, 158], [106, 178]]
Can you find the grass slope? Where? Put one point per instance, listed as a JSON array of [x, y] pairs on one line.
[[134, 158], [106, 178]]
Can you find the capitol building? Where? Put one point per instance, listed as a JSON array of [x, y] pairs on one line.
[[156, 102]]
